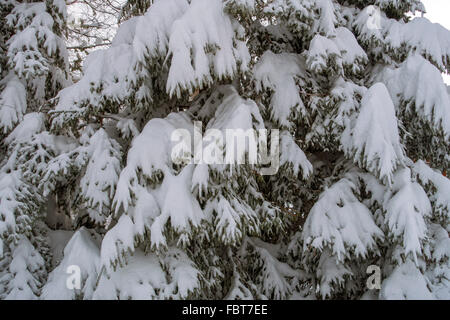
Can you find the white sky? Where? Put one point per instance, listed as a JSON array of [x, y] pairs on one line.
[[439, 11]]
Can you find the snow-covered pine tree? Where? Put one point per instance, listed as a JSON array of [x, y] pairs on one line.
[[355, 89], [202, 227], [33, 70]]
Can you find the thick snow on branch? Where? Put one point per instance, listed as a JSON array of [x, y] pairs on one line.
[[372, 140], [179, 208], [204, 47], [291, 154], [342, 223], [345, 98], [407, 206], [134, 281], [354, 57], [419, 85], [26, 272], [173, 275], [424, 37], [149, 161], [439, 252], [81, 251], [13, 102], [232, 112], [324, 55], [401, 5], [331, 273], [278, 72], [187, 50], [12, 192], [298, 14], [325, 24], [31, 124], [101, 175], [29, 49], [439, 189], [274, 274], [431, 40], [153, 30], [405, 283], [332, 54], [107, 78], [232, 218]]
